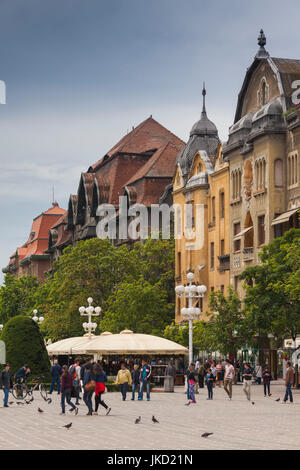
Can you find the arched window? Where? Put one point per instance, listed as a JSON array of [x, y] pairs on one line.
[[263, 93], [278, 172]]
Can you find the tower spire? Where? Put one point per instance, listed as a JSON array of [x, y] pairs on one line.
[[203, 114], [261, 40]]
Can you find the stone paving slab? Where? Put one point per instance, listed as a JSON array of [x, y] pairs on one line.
[[236, 424]]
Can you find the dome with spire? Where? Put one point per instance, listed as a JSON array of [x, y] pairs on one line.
[[203, 136]]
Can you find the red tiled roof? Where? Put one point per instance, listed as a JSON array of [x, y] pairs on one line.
[[38, 242], [147, 136], [161, 164]]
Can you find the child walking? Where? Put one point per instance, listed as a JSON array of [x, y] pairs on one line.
[[209, 383]]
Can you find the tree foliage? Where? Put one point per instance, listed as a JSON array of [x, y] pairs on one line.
[[272, 302], [134, 287], [25, 345], [228, 328], [17, 296]]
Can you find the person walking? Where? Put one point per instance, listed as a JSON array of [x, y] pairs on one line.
[[135, 376], [247, 377], [124, 379], [145, 380], [258, 373], [6, 383], [74, 370], [209, 383], [191, 383], [289, 380], [100, 379], [228, 378], [266, 376], [220, 373], [89, 386], [55, 372], [66, 389], [201, 374]]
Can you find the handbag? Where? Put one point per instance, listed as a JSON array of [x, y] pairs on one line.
[[90, 386]]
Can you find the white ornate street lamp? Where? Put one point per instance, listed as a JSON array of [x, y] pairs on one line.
[[36, 318], [90, 312], [190, 313]]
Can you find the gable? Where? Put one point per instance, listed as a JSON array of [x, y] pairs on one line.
[[262, 76]]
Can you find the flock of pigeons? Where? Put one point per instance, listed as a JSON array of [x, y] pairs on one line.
[[137, 421]]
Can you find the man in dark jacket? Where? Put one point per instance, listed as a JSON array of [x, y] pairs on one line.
[[145, 379], [135, 380], [22, 373], [55, 372], [6, 383]]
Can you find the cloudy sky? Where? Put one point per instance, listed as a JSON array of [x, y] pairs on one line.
[[79, 74]]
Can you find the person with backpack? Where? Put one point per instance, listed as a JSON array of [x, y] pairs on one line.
[[100, 379], [66, 389]]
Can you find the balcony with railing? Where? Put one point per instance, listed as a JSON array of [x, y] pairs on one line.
[[248, 253], [224, 262]]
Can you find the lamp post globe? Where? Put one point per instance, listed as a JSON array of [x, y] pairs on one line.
[[190, 313], [90, 311]]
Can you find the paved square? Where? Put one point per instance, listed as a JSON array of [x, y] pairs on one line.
[[236, 424]]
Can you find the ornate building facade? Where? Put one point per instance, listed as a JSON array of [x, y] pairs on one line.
[[263, 153], [201, 199]]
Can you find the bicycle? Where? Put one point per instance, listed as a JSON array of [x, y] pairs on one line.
[[20, 389]]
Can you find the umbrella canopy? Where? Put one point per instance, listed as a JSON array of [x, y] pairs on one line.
[[125, 342]]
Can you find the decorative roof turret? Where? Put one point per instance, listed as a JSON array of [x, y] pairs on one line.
[[203, 136], [262, 53]]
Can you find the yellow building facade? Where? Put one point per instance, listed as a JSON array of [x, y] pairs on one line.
[[201, 201]]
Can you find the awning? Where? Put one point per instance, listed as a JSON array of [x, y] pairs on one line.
[[285, 217], [125, 342], [239, 235]]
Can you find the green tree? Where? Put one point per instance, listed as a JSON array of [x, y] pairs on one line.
[[228, 331], [17, 296], [272, 301], [98, 269], [138, 306], [25, 345], [93, 268], [203, 339]]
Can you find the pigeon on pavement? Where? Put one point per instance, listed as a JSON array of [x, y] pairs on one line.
[[67, 426], [188, 403], [40, 410], [138, 420], [277, 399], [253, 402], [154, 419], [206, 434]]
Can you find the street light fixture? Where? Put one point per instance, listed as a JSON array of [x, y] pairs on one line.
[[37, 319], [190, 313], [90, 312]]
